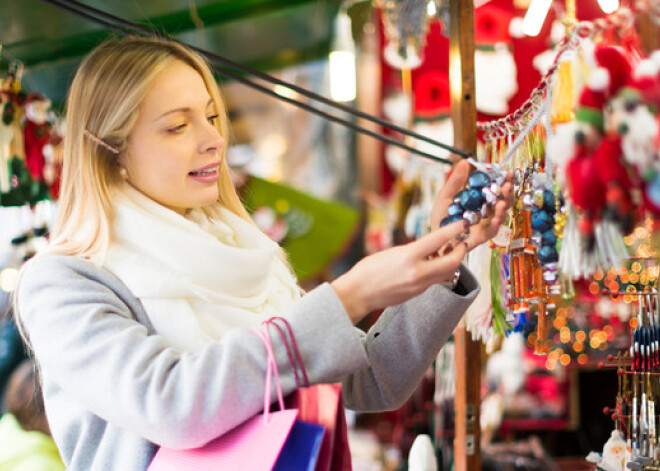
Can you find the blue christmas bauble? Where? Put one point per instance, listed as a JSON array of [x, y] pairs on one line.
[[471, 199], [548, 254], [549, 237], [478, 180], [450, 219], [549, 201], [455, 209], [541, 220]]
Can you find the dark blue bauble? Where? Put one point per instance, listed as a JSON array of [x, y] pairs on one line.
[[450, 219], [478, 180], [471, 199], [541, 220], [455, 209], [549, 202], [549, 238], [548, 254]]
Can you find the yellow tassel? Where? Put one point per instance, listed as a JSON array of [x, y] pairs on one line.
[[563, 96]]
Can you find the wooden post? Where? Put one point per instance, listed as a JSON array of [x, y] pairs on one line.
[[467, 453], [369, 97]]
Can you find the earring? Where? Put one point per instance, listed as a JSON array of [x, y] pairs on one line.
[[123, 173]]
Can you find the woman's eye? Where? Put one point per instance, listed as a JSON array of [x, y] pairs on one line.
[[212, 118], [176, 129]]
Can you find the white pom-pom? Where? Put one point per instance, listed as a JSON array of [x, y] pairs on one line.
[[588, 52], [557, 31], [515, 28], [599, 80], [655, 57], [646, 68]]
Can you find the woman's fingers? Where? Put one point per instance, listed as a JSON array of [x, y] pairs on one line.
[[443, 268], [455, 183], [431, 243]]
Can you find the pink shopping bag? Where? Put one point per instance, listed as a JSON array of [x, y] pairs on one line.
[[255, 445], [319, 404]]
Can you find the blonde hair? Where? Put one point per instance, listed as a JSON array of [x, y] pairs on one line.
[[104, 98]]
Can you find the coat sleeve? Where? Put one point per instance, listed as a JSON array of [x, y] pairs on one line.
[[87, 341], [403, 344]]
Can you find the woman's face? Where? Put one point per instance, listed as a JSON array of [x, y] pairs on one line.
[[174, 150]]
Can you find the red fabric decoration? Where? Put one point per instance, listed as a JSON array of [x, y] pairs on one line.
[[585, 189], [615, 60], [432, 95], [36, 137], [491, 25], [610, 167]]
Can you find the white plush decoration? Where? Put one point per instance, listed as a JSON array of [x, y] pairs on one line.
[[599, 79], [37, 110], [479, 315], [492, 412], [495, 79], [515, 27], [560, 148], [587, 49], [638, 143], [655, 57], [557, 31], [397, 109], [441, 130], [396, 159], [543, 61], [507, 367], [614, 454], [422, 455], [646, 68]]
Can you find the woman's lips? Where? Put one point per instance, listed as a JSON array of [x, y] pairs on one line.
[[208, 174]]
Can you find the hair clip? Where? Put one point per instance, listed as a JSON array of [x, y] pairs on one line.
[[101, 142]]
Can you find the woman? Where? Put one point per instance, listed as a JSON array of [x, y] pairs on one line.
[[139, 313]]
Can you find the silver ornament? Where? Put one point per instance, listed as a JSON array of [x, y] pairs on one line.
[[472, 217]]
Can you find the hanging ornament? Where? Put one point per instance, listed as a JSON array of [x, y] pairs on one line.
[[477, 199], [495, 68], [36, 133], [406, 24]]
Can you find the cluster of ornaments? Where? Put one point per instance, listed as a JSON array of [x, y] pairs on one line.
[[476, 200], [540, 200]]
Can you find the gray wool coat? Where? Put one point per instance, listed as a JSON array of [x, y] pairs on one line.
[[114, 391]]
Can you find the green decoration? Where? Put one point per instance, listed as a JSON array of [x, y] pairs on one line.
[[500, 325], [24, 189], [321, 230]]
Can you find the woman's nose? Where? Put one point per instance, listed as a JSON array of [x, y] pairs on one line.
[[211, 139]]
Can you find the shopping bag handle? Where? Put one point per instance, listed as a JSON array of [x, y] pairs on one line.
[[271, 370], [289, 354], [273, 321]]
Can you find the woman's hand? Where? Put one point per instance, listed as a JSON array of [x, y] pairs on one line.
[[395, 275], [487, 228]]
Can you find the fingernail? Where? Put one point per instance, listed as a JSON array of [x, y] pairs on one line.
[[462, 236]]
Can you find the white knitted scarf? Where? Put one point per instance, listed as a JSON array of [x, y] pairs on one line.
[[196, 278]]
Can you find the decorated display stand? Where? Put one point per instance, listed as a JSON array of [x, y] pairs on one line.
[[584, 149]]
